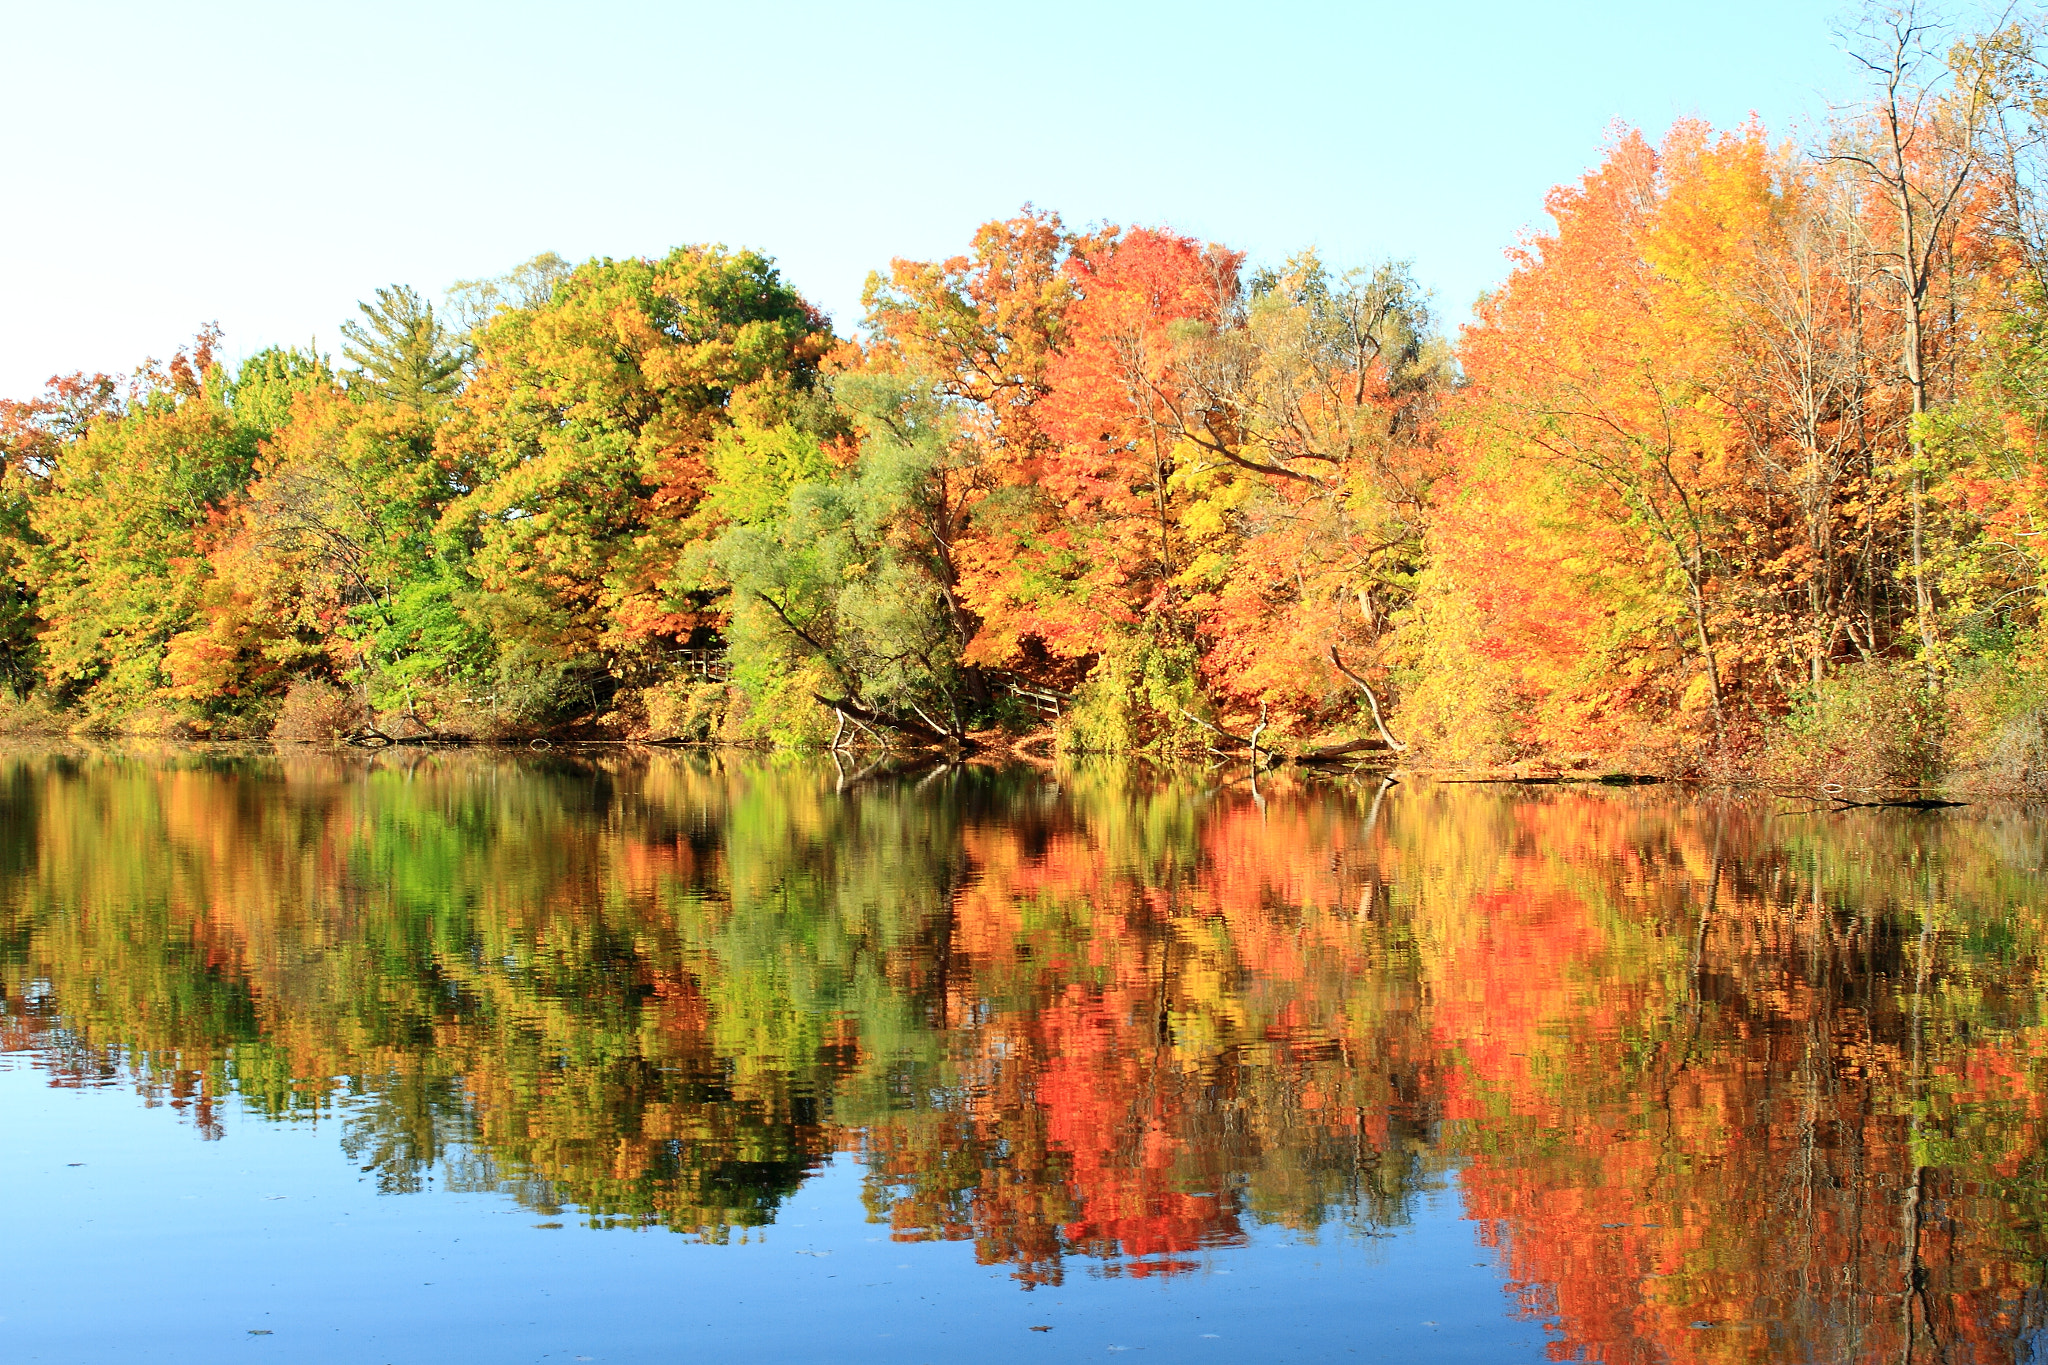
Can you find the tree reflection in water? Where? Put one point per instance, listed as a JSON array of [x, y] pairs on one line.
[[1723, 1079]]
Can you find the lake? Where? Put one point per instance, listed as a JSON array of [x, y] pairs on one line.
[[645, 1056]]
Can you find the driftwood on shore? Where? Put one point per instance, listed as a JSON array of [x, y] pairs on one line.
[[919, 727], [1912, 803], [1337, 753], [370, 737], [1372, 699], [1559, 780], [1325, 753]]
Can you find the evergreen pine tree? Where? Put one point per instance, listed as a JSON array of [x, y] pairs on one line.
[[404, 350]]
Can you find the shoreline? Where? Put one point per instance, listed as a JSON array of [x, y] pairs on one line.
[[920, 760]]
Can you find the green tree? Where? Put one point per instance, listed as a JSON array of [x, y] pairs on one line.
[[263, 388], [404, 351], [843, 586]]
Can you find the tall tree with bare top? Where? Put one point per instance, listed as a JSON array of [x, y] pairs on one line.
[[1919, 144]]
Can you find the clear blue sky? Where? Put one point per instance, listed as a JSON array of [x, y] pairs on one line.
[[266, 165]]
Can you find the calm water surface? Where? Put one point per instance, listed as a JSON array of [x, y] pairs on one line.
[[492, 1057]]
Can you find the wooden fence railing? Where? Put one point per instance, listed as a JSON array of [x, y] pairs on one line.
[[1043, 700], [709, 663]]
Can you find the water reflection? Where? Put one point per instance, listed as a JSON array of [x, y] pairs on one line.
[[1722, 1080]]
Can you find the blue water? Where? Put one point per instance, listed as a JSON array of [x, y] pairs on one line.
[[130, 1238]]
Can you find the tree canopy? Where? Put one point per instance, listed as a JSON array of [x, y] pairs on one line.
[[1736, 473]]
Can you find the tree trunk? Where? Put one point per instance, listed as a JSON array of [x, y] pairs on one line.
[[1916, 381]]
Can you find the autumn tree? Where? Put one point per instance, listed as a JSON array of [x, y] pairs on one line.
[[1920, 148], [333, 550], [1315, 409], [584, 438], [32, 434], [530, 284], [121, 522], [982, 329], [1579, 360], [1285, 433]]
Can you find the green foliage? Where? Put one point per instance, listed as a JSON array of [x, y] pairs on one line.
[[264, 387], [836, 588], [1867, 729], [1999, 726], [402, 350], [1138, 698], [753, 471], [820, 585], [427, 633]]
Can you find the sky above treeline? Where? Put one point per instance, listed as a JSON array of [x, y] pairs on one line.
[[264, 166]]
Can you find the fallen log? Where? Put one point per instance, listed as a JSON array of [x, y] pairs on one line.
[[1920, 803], [1336, 753]]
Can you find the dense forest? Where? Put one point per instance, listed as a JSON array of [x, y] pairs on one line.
[[1737, 473]]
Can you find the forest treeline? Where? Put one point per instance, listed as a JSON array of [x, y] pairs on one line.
[[1738, 473]]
